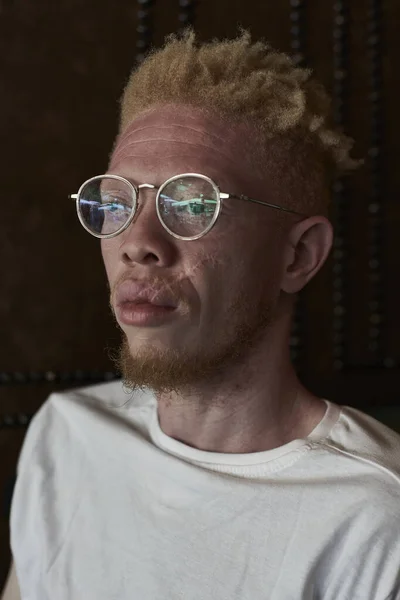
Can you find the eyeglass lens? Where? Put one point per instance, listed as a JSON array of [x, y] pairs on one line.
[[187, 205]]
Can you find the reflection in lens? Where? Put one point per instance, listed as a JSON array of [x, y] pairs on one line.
[[105, 205], [188, 205]]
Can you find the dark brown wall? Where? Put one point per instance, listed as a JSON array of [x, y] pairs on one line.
[[63, 65]]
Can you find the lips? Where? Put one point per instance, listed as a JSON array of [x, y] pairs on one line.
[[145, 315], [140, 293]]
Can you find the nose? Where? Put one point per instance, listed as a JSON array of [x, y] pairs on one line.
[[146, 241]]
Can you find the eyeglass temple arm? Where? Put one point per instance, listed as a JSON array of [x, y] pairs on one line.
[[72, 196], [242, 197]]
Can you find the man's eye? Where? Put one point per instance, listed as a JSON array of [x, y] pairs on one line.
[[113, 207]]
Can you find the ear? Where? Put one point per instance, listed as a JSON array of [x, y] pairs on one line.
[[308, 245]]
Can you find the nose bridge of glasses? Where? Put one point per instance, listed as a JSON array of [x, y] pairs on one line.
[[146, 185], [141, 193], [141, 190]]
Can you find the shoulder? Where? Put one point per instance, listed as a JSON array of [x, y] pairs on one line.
[[364, 460], [361, 439], [71, 426]]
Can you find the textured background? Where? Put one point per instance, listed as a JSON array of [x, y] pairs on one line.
[[63, 66]]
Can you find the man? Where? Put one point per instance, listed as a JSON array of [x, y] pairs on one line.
[[209, 471]]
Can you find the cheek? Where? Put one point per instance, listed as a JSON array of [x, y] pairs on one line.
[[259, 262], [105, 252], [109, 254], [207, 270], [224, 273]]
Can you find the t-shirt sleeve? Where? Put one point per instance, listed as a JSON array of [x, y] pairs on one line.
[[45, 494], [25, 539], [32, 437]]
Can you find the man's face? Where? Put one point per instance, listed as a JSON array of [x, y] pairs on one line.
[[226, 284]]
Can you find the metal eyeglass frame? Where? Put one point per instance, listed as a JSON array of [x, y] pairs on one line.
[[135, 194]]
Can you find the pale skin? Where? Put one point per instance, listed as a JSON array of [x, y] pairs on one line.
[[246, 264]]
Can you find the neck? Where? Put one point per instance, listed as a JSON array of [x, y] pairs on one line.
[[259, 405]]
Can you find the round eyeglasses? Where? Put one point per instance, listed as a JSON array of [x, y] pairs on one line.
[[187, 205]]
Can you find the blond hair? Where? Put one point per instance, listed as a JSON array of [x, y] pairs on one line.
[[246, 82]]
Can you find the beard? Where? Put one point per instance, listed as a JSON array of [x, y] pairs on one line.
[[243, 325]]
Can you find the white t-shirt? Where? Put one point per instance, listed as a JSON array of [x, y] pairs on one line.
[[108, 507]]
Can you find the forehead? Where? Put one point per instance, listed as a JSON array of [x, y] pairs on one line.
[[171, 139]]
